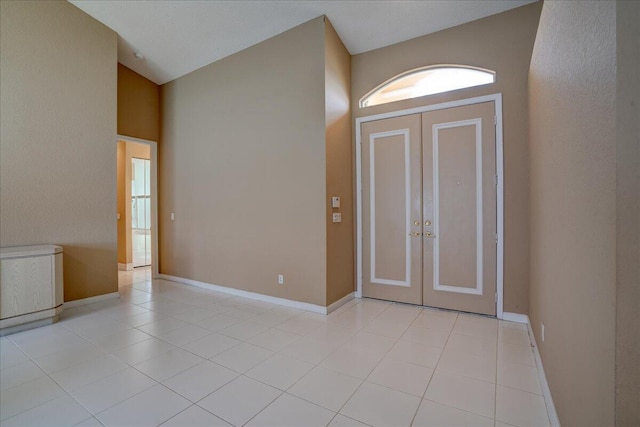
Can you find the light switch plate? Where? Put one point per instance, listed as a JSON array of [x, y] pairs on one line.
[[337, 217], [335, 202]]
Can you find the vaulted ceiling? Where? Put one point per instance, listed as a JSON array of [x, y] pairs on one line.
[[177, 37]]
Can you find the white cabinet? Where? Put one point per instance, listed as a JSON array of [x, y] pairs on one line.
[[31, 286]]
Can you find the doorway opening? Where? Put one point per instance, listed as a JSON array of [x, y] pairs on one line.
[[137, 209]]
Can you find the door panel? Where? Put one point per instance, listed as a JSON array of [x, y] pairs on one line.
[[460, 202], [391, 194]]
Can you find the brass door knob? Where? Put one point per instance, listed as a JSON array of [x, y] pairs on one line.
[[429, 235], [415, 234]]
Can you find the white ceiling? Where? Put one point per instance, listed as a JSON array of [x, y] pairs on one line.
[[177, 37]]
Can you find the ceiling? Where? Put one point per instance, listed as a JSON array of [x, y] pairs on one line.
[[177, 37]]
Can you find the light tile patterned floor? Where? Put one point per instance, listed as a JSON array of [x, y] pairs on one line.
[[173, 355]]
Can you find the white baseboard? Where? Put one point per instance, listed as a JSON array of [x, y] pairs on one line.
[[515, 317], [246, 294], [342, 301], [90, 300], [125, 267], [546, 391]]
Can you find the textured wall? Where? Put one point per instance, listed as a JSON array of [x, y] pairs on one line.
[[138, 105], [57, 144], [340, 248], [573, 201], [502, 43], [628, 214], [243, 167]]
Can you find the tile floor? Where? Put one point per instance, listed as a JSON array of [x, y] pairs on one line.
[[173, 355]]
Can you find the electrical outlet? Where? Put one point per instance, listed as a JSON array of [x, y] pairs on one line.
[[280, 279], [542, 332], [337, 217]]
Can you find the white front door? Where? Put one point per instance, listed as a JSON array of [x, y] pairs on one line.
[[429, 208]]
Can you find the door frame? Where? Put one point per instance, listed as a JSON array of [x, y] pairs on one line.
[[497, 99], [154, 197]]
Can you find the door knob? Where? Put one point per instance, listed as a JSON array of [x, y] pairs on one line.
[[429, 235], [415, 234], [427, 223], [416, 223]]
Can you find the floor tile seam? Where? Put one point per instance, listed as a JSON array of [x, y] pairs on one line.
[[201, 363], [438, 362], [3, 420], [119, 401], [68, 390], [516, 363], [160, 355], [133, 396], [211, 392], [459, 409], [251, 379], [47, 402], [441, 371], [484, 357], [519, 389], [339, 373], [309, 401]]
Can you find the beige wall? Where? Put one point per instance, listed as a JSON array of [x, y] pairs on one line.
[[502, 43], [243, 168], [340, 250], [126, 151], [138, 105], [627, 214], [57, 150], [573, 200]]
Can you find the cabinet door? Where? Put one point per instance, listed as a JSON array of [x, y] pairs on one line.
[[25, 285]]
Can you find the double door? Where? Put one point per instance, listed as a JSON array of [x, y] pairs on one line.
[[429, 208]]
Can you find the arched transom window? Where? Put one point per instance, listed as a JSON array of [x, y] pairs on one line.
[[427, 81]]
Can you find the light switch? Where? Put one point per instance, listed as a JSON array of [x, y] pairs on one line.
[[335, 202], [337, 217], [118, 216], [173, 216]]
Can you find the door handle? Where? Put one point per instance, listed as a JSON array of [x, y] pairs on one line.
[[415, 234], [429, 235]]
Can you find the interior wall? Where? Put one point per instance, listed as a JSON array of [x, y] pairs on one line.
[[573, 199], [138, 105], [627, 214], [340, 248], [123, 256], [58, 84], [126, 151], [502, 43], [243, 169]]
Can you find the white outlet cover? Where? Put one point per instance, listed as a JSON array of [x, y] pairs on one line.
[[337, 217]]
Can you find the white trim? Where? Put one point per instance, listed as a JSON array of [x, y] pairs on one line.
[[497, 99], [90, 300], [436, 209], [515, 317], [546, 391], [125, 267], [246, 294], [342, 301], [154, 198], [372, 206]]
